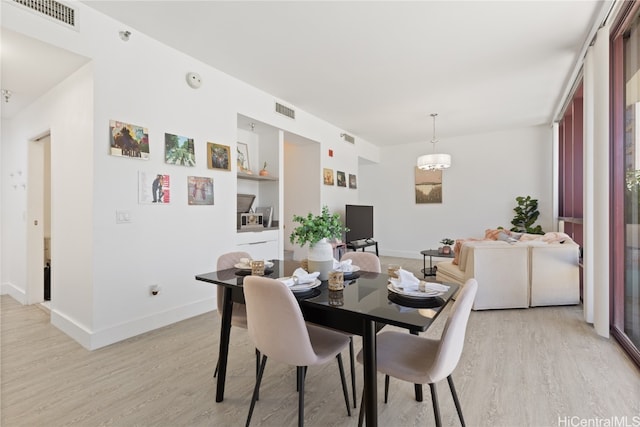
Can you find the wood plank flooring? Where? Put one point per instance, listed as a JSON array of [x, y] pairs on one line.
[[530, 367]]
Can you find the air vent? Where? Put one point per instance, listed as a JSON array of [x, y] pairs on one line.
[[348, 138], [285, 111], [52, 9]]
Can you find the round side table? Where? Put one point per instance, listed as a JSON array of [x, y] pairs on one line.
[[431, 271]]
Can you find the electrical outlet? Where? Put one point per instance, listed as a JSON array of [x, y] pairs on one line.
[[123, 217]]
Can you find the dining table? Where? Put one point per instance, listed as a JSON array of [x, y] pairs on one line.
[[365, 305]]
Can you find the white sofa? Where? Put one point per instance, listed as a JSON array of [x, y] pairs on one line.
[[517, 275]]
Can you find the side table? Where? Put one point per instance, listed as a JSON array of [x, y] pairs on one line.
[[431, 253]]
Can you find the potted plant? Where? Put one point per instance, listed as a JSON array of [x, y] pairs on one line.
[[447, 242], [315, 230], [264, 171], [526, 215]]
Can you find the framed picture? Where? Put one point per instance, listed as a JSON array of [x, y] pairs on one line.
[[200, 190], [428, 186], [218, 156], [243, 157], [327, 176], [128, 140], [179, 150], [342, 179], [154, 188], [352, 181]]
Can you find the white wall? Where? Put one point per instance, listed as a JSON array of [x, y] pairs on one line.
[[102, 271], [488, 171]]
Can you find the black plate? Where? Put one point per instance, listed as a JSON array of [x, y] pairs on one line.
[[309, 293], [351, 275], [428, 302], [267, 271]]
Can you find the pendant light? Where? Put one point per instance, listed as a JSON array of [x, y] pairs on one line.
[[434, 161]]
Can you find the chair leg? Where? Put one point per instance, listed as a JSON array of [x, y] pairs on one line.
[[455, 399], [257, 369], [353, 371], [215, 373], [255, 390], [386, 388], [361, 413], [300, 371], [344, 383], [436, 408], [417, 387]]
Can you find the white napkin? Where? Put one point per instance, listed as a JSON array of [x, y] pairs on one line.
[[300, 277], [406, 280], [344, 266]]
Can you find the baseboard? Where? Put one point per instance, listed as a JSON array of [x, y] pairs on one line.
[[94, 340], [14, 292], [401, 254]]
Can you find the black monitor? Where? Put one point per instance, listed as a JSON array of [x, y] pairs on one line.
[[359, 221]]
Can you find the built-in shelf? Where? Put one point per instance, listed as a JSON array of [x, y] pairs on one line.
[[252, 177]]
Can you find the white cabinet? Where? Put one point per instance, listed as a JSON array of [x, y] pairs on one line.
[[259, 244]]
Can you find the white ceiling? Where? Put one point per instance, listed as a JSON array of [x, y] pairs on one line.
[[378, 69]]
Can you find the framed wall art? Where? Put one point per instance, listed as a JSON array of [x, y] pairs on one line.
[[342, 179], [154, 188], [428, 186], [352, 181], [218, 156], [327, 176], [243, 157], [179, 150], [200, 190], [127, 140]]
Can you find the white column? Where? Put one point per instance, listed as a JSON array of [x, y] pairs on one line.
[[587, 187]]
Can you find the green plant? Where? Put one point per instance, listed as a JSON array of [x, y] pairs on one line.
[[264, 167], [312, 228], [526, 215], [447, 241]]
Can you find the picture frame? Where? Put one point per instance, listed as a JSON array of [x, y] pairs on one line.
[[200, 190], [179, 150], [218, 156], [154, 188], [428, 186], [352, 181], [243, 157], [127, 140], [327, 176], [342, 179]]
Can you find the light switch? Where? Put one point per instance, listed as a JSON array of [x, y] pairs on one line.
[[123, 217]]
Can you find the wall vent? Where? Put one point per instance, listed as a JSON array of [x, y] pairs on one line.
[[285, 111], [348, 138], [52, 9]]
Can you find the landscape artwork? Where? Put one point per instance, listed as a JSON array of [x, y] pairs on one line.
[[200, 190], [154, 188], [342, 179], [128, 140], [218, 156], [327, 176], [352, 181], [179, 150], [428, 186]]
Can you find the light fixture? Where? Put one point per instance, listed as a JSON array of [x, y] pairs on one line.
[[434, 161]]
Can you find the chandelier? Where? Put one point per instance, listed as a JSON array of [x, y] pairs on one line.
[[434, 161]]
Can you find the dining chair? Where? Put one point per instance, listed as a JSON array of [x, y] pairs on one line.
[[239, 313], [278, 330], [421, 360], [367, 261]]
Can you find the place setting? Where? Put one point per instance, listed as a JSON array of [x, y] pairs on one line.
[[349, 271], [248, 267], [406, 289], [302, 283]]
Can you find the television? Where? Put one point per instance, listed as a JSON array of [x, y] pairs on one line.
[[359, 221]]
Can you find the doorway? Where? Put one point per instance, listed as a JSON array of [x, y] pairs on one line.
[[38, 217]]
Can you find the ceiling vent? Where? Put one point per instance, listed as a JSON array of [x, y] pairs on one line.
[[285, 111], [348, 138], [52, 9]]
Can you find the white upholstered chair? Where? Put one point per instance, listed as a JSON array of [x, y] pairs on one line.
[[422, 360], [279, 331], [367, 261], [239, 313]]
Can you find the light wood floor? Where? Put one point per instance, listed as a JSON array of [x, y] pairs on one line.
[[529, 367]]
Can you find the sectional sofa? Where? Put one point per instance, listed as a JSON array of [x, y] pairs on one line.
[[530, 271]]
